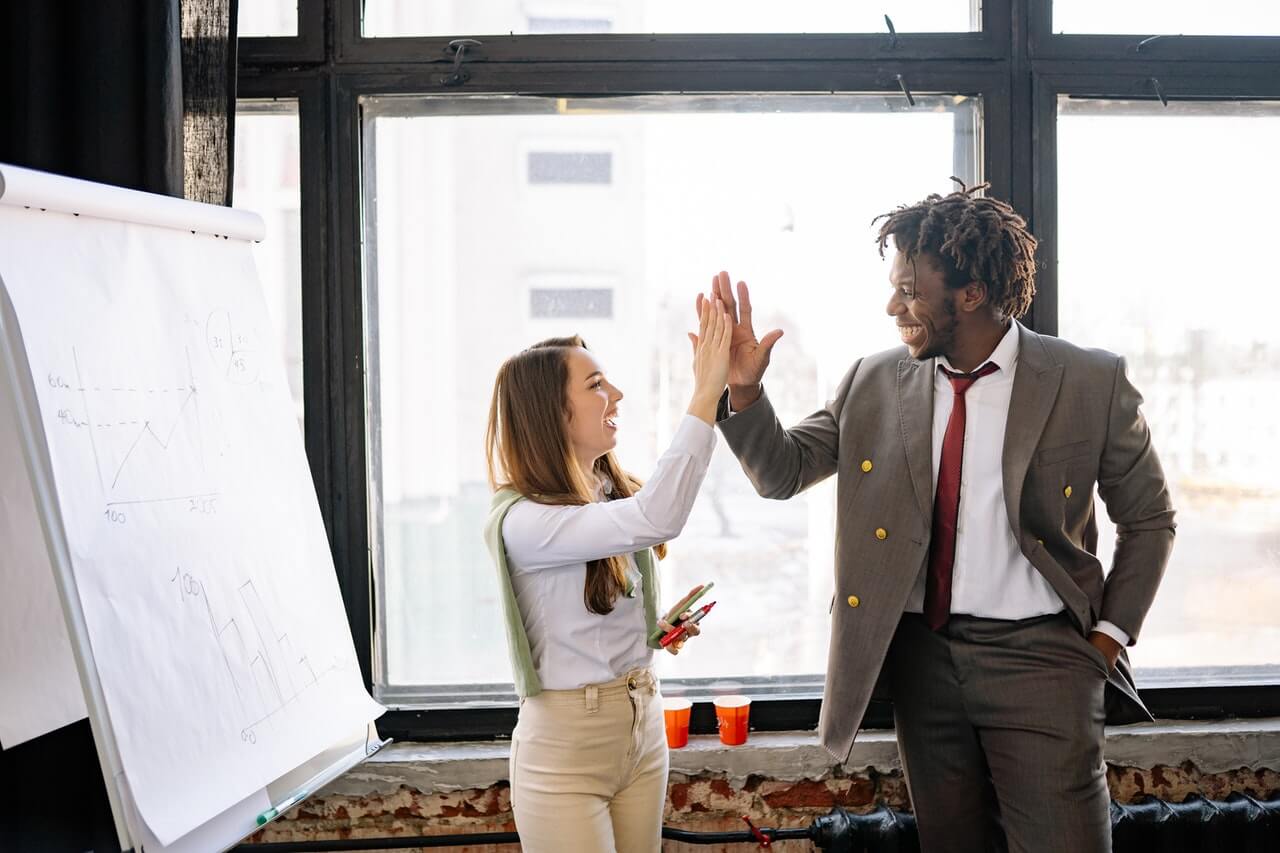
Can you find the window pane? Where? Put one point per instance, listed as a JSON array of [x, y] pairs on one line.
[[472, 260], [466, 17], [266, 182], [1183, 17], [267, 18], [1165, 216]]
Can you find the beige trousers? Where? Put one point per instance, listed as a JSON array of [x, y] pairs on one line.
[[589, 768]]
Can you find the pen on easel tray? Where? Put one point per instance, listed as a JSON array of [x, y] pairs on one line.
[[680, 631], [282, 807]]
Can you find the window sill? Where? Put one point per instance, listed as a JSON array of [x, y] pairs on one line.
[[1213, 747]]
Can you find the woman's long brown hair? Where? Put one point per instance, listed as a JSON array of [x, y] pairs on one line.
[[527, 449]]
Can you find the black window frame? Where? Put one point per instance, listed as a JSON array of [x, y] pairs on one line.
[[1014, 63]]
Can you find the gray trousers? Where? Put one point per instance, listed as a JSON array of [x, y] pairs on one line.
[[1000, 730]]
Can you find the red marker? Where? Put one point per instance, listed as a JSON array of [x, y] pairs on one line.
[[680, 631]]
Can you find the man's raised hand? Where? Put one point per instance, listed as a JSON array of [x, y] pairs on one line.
[[748, 357]]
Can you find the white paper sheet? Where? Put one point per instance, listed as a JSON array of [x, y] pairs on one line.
[[209, 593], [39, 687], [241, 820], [219, 833]]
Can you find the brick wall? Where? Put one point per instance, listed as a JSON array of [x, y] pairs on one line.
[[705, 802]]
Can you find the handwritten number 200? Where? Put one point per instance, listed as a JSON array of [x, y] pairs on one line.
[[203, 506]]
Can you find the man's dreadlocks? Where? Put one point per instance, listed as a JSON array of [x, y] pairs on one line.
[[975, 238]]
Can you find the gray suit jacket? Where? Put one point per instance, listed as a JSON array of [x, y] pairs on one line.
[[1073, 424]]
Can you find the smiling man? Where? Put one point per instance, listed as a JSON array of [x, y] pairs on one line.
[[966, 582]]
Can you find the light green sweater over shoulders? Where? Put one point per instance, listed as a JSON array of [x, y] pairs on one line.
[[522, 669]]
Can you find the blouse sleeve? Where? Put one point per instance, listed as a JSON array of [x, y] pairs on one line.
[[540, 536]]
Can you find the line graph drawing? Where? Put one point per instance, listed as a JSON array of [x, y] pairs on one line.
[[148, 431], [148, 438], [267, 673]]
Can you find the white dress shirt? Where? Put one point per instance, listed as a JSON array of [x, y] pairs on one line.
[[990, 578], [547, 552]]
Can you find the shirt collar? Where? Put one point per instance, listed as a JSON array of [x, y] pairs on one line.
[[1004, 356]]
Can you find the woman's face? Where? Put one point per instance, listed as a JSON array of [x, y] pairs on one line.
[[593, 408]]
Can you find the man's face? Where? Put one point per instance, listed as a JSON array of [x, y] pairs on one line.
[[922, 306]]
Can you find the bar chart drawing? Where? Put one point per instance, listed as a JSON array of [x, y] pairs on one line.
[[268, 674]]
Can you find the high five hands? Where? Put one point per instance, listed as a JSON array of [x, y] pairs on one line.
[[710, 359], [748, 356]]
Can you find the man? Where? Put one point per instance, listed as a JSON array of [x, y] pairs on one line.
[[965, 576]]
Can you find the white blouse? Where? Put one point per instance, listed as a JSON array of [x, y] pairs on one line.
[[547, 552]]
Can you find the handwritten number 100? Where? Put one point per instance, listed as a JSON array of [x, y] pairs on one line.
[[114, 516]]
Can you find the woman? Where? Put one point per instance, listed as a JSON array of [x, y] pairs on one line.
[[572, 535]]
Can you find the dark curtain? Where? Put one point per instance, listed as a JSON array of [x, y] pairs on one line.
[[140, 94], [93, 90], [209, 98], [136, 93]]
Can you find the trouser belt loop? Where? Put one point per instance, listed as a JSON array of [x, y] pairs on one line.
[[593, 699]]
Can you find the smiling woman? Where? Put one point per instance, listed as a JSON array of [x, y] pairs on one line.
[[574, 537], [593, 407]]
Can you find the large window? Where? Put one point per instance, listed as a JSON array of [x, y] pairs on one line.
[[466, 17], [1164, 216], [591, 163], [463, 245], [267, 182], [1168, 17], [267, 18]]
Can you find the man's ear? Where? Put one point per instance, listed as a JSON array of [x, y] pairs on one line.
[[973, 296]]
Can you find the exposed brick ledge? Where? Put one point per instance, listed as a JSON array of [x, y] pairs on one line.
[[1213, 747]]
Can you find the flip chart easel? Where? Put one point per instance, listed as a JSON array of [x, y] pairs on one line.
[[175, 508]]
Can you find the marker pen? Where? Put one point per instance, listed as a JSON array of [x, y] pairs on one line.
[[681, 630]]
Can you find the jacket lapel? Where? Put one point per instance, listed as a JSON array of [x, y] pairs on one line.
[[915, 410], [1035, 388]]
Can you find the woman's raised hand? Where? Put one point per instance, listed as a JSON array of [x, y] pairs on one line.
[[710, 357]]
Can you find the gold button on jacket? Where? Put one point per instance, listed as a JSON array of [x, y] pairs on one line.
[[881, 533], [866, 465], [853, 601], [1067, 491]]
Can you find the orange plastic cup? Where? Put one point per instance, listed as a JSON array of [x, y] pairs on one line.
[[731, 717], [675, 713]]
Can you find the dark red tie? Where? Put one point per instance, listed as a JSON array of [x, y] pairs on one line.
[[946, 503]]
